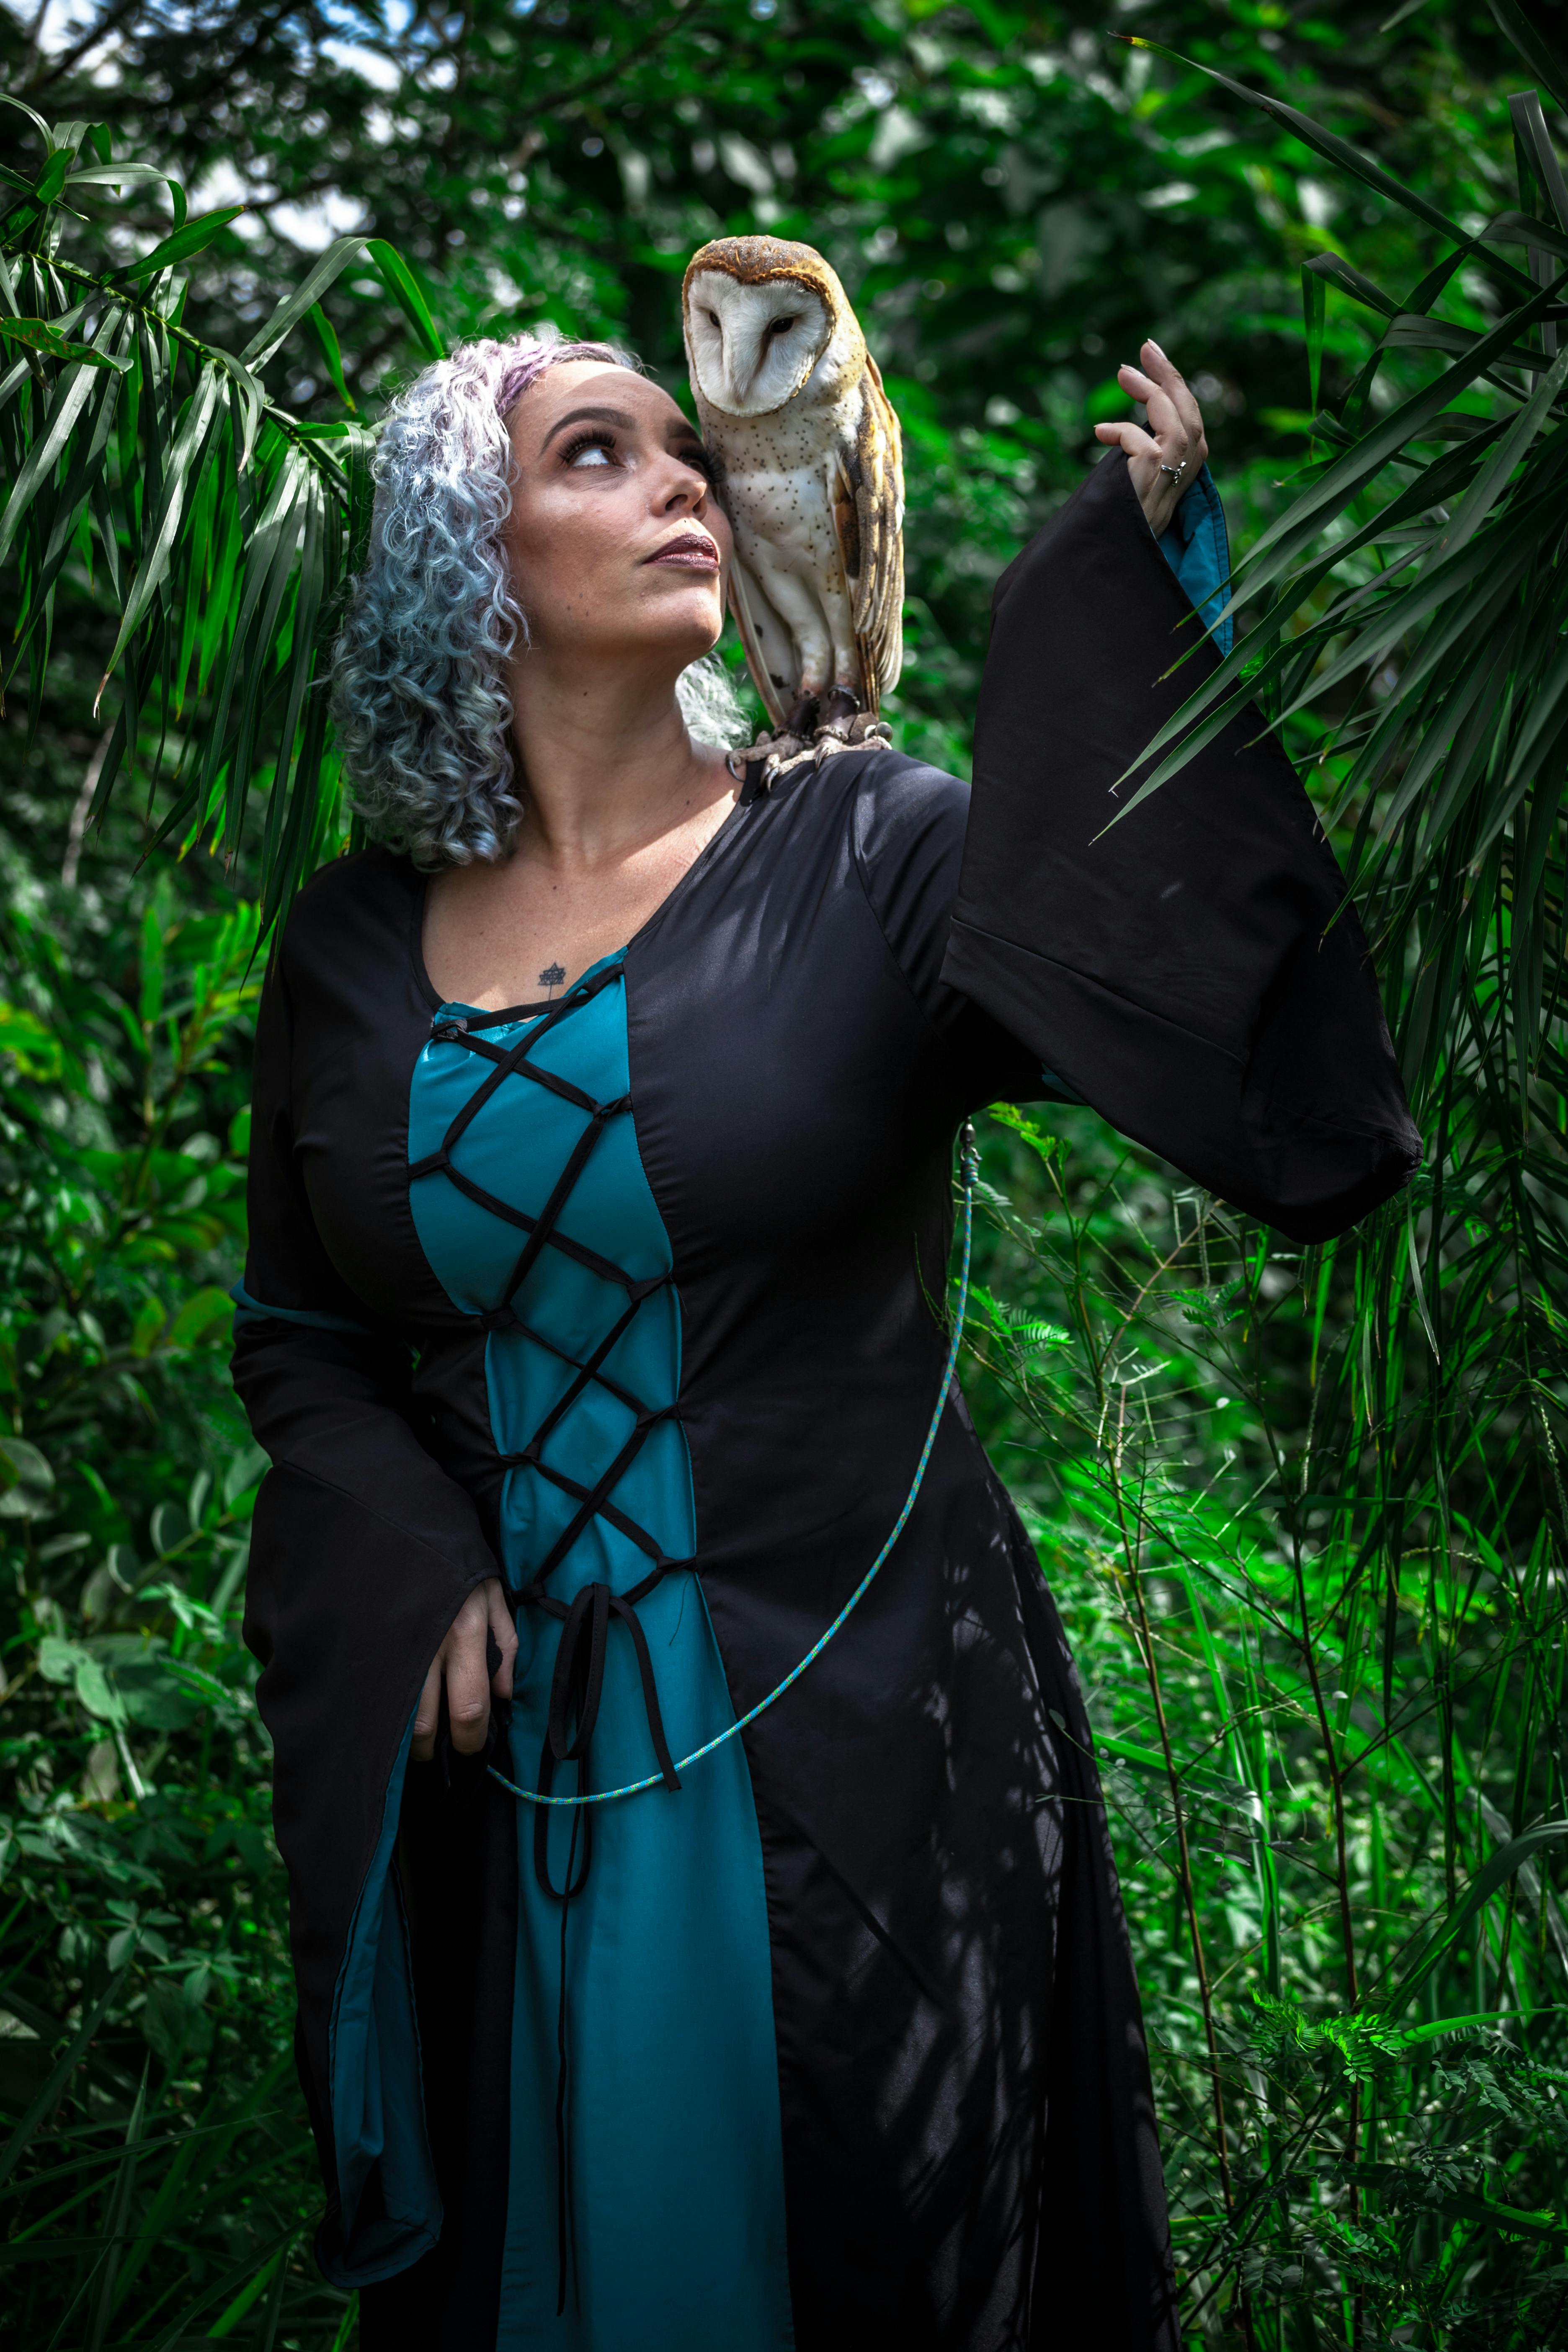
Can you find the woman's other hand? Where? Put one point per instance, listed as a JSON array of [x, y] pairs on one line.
[[1175, 436], [462, 1661]]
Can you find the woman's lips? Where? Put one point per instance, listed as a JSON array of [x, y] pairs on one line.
[[692, 551]]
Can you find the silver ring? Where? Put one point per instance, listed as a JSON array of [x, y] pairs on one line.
[[1175, 472]]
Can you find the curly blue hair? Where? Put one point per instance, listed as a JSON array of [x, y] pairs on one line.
[[419, 690]]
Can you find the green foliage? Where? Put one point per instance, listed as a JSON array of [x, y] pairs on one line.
[[1317, 1601], [1303, 1510], [143, 1919]]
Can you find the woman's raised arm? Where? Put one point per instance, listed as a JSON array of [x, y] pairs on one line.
[[1189, 966]]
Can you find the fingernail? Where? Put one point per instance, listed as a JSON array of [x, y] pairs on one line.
[[1153, 346]]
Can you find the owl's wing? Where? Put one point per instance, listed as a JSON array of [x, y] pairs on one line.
[[770, 656], [869, 515]]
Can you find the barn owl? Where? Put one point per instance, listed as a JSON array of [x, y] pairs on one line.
[[811, 474]]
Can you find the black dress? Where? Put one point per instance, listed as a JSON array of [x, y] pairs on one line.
[[634, 1301]]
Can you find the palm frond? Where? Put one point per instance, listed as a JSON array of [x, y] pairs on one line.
[[216, 524]]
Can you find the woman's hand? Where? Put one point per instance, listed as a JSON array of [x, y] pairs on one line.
[[463, 1662], [1174, 437]]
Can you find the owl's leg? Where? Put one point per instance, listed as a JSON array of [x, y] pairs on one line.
[[797, 605], [800, 719], [839, 711]]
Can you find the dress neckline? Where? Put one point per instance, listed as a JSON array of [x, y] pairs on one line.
[[439, 1003]]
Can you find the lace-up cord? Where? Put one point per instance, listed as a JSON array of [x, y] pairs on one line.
[[586, 1619], [541, 1797]]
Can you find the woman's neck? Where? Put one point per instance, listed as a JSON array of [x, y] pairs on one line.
[[617, 804], [605, 762]]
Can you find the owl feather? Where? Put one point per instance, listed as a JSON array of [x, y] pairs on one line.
[[810, 466]]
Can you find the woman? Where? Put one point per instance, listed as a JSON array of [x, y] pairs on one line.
[[601, 1200]]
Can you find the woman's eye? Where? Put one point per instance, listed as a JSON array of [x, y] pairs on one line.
[[589, 453]]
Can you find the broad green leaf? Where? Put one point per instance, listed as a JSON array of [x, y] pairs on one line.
[[21, 1463], [199, 1313], [243, 1472]]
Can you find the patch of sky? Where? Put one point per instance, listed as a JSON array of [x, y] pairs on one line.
[[313, 226], [369, 65]]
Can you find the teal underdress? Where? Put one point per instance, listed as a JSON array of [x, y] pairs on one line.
[[674, 2178]]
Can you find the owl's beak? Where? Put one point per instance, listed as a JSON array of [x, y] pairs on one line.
[[744, 373]]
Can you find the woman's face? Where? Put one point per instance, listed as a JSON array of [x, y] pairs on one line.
[[617, 545]]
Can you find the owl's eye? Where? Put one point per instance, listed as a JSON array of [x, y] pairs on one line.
[[782, 326], [712, 318]]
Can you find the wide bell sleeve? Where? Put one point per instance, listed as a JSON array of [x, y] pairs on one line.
[[1191, 971], [363, 1551]]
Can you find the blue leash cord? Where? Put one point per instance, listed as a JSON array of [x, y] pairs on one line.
[[967, 1160]]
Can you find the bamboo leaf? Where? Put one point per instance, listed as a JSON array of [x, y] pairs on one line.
[[1314, 310], [224, 2287], [154, 563], [39, 125], [59, 2075], [1543, 706], [72, 389], [117, 176], [1520, 228], [41, 335], [193, 238], [1492, 479], [118, 2213], [1494, 1874], [1350, 474], [332, 351], [1537, 54], [294, 306], [1411, 332], [404, 286], [1531, 132], [1324, 142], [1350, 282]]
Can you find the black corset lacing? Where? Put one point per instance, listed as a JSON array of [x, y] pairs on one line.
[[577, 1685]]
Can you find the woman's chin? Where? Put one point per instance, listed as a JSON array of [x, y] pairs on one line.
[[668, 636]]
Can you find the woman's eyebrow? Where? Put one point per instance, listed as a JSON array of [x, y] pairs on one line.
[[599, 415]]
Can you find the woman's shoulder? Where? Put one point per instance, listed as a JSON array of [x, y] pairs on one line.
[[903, 811], [895, 821], [357, 906]]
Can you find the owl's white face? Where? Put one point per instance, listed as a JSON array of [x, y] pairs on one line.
[[752, 347]]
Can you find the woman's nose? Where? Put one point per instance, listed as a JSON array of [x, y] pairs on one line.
[[686, 493]]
